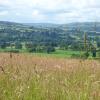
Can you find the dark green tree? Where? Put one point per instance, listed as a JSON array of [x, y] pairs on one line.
[[18, 45]]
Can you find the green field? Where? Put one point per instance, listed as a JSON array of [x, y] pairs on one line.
[[57, 53]]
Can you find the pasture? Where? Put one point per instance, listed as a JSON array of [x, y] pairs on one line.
[[33, 77]]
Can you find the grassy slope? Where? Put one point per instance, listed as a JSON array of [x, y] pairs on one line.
[[57, 53], [28, 77]]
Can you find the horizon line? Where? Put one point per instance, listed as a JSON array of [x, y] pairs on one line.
[[48, 22]]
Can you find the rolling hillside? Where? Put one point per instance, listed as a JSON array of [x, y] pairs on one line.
[[45, 34]]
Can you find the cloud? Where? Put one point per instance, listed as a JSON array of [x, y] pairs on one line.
[[3, 13], [56, 11], [5, 3], [18, 14], [38, 16]]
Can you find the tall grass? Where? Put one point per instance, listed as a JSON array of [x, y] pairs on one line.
[[28, 77]]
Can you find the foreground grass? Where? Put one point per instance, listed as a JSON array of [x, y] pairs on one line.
[[29, 77]]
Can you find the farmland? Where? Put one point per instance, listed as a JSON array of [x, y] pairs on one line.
[[57, 53], [31, 77], [49, 50], [49, 61], [64, 40]]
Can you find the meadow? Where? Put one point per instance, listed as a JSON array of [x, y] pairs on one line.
[[58, 53], [32, 77]]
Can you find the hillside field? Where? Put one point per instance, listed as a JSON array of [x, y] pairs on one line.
[[31, 77], [57, 53]]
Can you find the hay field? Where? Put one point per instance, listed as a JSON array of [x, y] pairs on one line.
[[28, 77]]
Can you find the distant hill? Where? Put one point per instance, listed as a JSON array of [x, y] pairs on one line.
[[85, 26], [45, 33], [41, 24], [8, 23]]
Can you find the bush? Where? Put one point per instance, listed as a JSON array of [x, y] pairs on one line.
[[18, 45], [32, 50], [99, 53], [85, 55], [3, 45], [13, 51], [75, 56], [50, 49]]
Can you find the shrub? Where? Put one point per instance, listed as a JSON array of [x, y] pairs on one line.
[[32, 50], [85, 55], [75, 56], [13, 51], [50, 49]]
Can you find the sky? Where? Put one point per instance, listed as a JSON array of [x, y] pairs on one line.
[[50, 11]]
